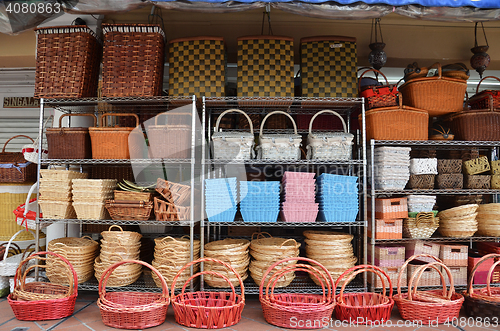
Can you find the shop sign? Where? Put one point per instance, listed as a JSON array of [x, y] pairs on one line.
[[20, 102]]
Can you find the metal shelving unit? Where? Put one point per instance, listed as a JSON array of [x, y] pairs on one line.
[[293, 106]]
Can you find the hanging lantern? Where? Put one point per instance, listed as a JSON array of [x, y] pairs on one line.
[[480, 60], [377, 56]]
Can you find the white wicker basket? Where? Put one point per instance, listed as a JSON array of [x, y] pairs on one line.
[[233, 145], [279, 146], [8, 265], [329, 145], [423, 166]]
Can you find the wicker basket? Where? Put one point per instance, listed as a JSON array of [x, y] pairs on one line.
[[445, 167], [13, 166], [478, 182], [477, 165], [478, 125], [233, 145], [175, 193], [437, 95], [172, 140], [378, 96], [129, 210], [69, 143], [422, 226], [486, 99], [421, 182], [166, 211], [450, 181], [133, 60], [279, 146], [67, 63], [111, 142]]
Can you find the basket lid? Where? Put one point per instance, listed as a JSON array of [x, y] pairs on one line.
[[74, 130], [327, 38]]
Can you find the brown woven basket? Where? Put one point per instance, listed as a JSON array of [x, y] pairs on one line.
[[133, 60], [438, 95], [13, 166], [479, 125], [133, 196], [421, 182], [449, 166], [129, 210], [112, 172], [67, 65], [477, 181], [111, 142], [450, 181], [69, 143]]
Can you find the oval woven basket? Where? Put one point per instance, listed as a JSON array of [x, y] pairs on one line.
[[458, 211]]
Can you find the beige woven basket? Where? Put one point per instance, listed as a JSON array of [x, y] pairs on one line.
[[458, 211]]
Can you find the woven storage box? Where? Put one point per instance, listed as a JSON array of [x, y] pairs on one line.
[[197, 66], [450, 181], [111, 142], [495, 167], [485, 99], [459, 275], [387, 229], [393, 273], [265, 67], [13, 166], [129, 210], [328, 66], [421, 182], [389, 208], [69, 143], [173, 139], [477, 125], [430, 277], [477, 182], [421, 247], [388, 256], [329, 145], [449, 166], [423, 166], [495, 181], [132, 60], [477, 165], [233, 145], [279, 146], [437, 95], [396, 123], [67, 62], [454, 255]]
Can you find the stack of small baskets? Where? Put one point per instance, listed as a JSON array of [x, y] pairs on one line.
[[449, 174], [332, 249], [80, 252], [89, 197], [135, 206], [232, 251], [422, 173], [175, 207], [266, 251], [476, 173], [488, 219], [170, 255], [458, 222], [420, 225], [56, 193], [115, 247]]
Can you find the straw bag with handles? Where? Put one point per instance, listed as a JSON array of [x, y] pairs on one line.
[[378, 95], [233, 145], [279, 146]]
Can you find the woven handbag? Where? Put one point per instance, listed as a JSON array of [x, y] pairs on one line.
[[233, 145], [69, 143], [377, 96], [279, 146], [9, 264], [486, 99]]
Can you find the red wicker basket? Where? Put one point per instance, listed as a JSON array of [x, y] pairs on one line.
[[377, 96], [484, 302], [428, 306], [132, 310], [207, 310], [297, 310], [366, 307], [485, 99], [41, 301]]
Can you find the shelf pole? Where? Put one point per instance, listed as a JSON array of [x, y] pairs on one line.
[[202, 190], [193, 161]]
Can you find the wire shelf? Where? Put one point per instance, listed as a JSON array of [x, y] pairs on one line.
[[282, 162], [158, 162], [440, 239], [117, 222], [438, 191], [442, 144], [281, 224]]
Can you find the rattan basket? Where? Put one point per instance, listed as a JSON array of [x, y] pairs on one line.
[[69, 143], [279, 146], [422, 226], [450, 181], [129, 210], [172, 140], [166, 211], [13, 166], [453, 166], [478, 182], [233, 145], [111, 142], [486, 99], [421, 182], [477, 125]]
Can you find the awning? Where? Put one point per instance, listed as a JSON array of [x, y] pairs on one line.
[[12, 22]]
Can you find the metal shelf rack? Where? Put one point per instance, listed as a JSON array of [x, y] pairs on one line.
[[281, 224]]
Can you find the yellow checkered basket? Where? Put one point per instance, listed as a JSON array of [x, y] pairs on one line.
[[328, 66], [197, 66], [265, 68]]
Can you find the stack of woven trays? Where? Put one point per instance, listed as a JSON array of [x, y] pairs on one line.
[[89, 197], [332, 249], [422, 173], [232, 251], [392, 167], [115, 247], [220, 199], [476, 173], [175, 205], [266, 251], [338, 198], [458, 222], [420, 203], [170, 255], [449, 174], [260, 201], [80, 252], [421, 221], [129, 205], [299, 197], [488, 219], [56, 193]]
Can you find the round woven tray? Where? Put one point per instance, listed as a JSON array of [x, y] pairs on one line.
[[458, 211], [489, 208], [124, 237], [458, 219], [456, 233], [327, 235], [228, 244]]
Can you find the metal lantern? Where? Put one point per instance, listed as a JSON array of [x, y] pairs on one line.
[[480, 60], [377, 56]]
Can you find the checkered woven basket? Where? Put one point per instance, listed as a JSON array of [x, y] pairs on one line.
[[197, 66], [328, 66], [265, 66]]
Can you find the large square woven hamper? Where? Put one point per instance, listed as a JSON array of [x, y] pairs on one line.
[[67, 62], [328, 66], [265, 67], [197, 66], [133, 60]]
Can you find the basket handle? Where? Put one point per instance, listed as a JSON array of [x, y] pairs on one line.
[[166, 115], [15, 250], [330, 112], [107, 273], [304, 259], [369, 70], [477, 88], [415, 279], [490, 273], [206, 259], [260, 235], [234, 111], [422, 218], [354, 271], [405, 265], [103, 117], [63, 116], [440, 70], [7, 248], [284, 242], [19, 135], [277, 112], [470, 288], [115, 226]]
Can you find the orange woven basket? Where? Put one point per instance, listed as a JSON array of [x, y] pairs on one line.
[[111, 142], [437, 95]]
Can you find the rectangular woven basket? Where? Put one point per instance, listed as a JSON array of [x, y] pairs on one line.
[[70, 143], [133, 60], [328, 66], [67, 64]]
